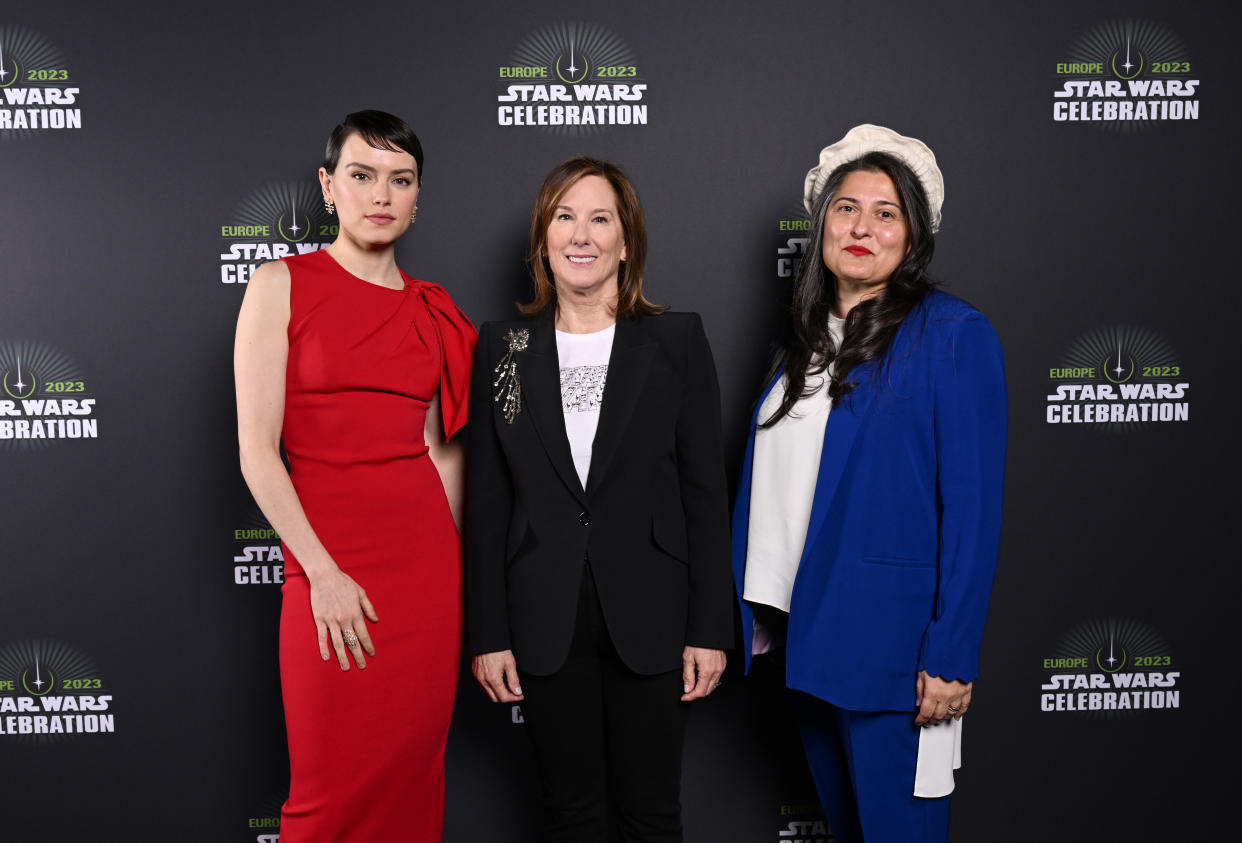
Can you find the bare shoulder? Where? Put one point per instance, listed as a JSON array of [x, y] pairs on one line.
[[267, 294], [272, 278], [265, 310]]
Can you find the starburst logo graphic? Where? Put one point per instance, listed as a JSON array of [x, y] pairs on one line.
[[26, 364], [37, 664], [15, 383], [1110, 667], [1118, 379], [572, 68], [9, 69], [276, 221], [285, 210], [1129, 48], [572, 78], [1115, 350], [1111, 644], [50, 691], [43, 396], [36, 86], [40, 685], [23, 54], [1127, 66], [1125, 75], [571, 50]]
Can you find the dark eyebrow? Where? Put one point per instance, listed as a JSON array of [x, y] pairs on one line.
[[369, 169], [896, 205], [596, 211]]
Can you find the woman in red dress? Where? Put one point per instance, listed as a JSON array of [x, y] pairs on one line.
[[363, 373]]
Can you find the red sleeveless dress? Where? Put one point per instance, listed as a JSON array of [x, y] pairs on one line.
[[366, 747]]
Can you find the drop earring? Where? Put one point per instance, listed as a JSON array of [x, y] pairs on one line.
[[329, 206], [413, 213]]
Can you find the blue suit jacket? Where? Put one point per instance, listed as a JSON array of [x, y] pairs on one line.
[[901, 547]]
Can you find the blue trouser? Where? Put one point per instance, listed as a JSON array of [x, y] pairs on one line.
[[863, 765]]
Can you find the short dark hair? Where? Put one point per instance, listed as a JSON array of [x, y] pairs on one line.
[[380, 130], [630, 299]]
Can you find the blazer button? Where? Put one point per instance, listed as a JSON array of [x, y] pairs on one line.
[[584, 519]]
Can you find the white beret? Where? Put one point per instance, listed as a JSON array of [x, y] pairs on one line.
[[860, 140]]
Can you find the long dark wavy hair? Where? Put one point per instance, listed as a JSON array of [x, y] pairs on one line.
[[872, 324]]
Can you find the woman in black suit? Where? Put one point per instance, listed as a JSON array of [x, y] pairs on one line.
[[598, 583]]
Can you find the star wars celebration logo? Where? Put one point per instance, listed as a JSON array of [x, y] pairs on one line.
[[1118, 379], [794, 230], [43, 396], [49, 692], [257, 557], [264, 825], [1125, 74], [37, 90], [276, 221], [1108, 668], [572, 78], [804, 824]]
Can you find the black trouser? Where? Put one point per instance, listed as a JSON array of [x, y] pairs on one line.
[[608, 741]]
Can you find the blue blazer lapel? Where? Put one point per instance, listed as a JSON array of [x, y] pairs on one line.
[[627, 372], [741, 524], [539, 369], [844, 422]]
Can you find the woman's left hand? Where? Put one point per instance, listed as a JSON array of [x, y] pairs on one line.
[[701, 670], [938, 700]]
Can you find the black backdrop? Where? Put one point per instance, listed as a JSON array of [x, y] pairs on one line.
[[1102, 250]]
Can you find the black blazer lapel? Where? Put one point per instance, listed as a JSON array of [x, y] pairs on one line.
[[539, 369], [632, 353]]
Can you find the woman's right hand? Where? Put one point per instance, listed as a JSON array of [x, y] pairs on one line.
[[497, 673], [340, 606]]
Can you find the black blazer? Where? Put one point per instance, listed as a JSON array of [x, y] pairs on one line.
[[653, 518]]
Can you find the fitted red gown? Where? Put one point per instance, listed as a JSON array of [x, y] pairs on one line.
[[366, 747]]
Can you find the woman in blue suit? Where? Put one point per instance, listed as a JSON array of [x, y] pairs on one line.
[[867, 522]]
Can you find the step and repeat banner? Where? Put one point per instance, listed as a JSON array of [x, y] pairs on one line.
[[153, 157]]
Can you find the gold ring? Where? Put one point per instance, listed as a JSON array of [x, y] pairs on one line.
[[351, 639]]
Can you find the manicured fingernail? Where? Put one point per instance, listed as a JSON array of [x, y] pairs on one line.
[[685, 689]]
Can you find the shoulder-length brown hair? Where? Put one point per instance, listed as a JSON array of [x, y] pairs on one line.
[[630, 299]]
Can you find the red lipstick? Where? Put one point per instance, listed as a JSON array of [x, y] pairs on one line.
[[858, 251]]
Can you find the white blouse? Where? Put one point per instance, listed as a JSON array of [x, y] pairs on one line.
[[584, 371], [786, 466]]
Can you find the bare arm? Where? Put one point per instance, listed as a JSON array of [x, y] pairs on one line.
[[260, 354], [449, 459]]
